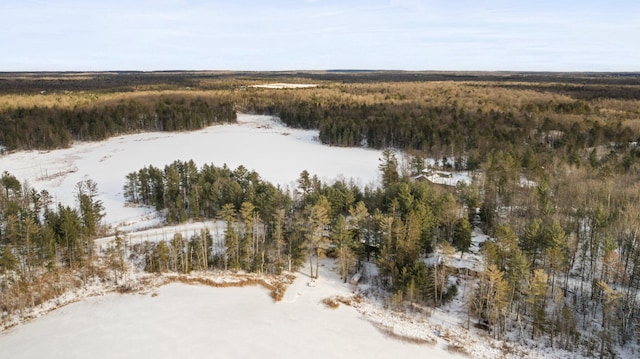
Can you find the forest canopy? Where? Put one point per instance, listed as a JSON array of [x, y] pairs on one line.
[[554, 162]]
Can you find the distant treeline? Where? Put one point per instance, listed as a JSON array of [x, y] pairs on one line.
[[450, 129], [453, 118], [51, 127], [21, 83]]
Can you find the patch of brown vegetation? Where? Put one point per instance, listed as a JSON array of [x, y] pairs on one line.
[[458, 348], [413, 340], [276, 285], [25, 293], [331, 303], [335, 301]]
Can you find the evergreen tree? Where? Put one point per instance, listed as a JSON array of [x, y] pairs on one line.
[[304, 183], [532, 241], [116, 256], [491, 299], [462, 236], [160, 258], [610, 299], [342, 241], [91, 209], [358, 217], [10, 184], [317, 221], [248, 236], [8, 261], [231, 241], [389, 168], [417, 165], [538, 300]]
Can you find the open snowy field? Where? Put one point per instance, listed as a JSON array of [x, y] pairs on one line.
[[257, 142], [284, 86], [186, 321]]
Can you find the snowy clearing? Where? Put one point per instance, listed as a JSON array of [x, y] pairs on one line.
[[284, 86]]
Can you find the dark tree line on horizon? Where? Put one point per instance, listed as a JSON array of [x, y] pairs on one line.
[[26, 128]]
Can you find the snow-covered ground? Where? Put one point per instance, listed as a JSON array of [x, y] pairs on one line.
[[259, 143], [165, 233], [193, 321], [448, 178], [284, 86]]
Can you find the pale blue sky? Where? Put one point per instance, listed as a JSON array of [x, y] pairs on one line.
[[540, 35]]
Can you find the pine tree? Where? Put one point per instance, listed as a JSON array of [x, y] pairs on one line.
[[610, 301], [8, 260], [532, 240], [179, 259], [231, 241], [318, 219], [10, 184], [389, 168], [279, 243], [566, 327], [131, 188], [556, 249], [417, 165], [538, 300], [247, 236], [462, 236], [116, 256], [499, 251], [91, 209], [491, 299], [304, 183], [160, 258], [342, 240], [358, 217], [517, 275], [387, 258]]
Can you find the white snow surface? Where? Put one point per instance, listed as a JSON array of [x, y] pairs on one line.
[[193, 321], [278, 153], [284, 86]]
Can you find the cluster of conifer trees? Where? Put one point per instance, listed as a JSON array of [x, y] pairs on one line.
[[454, 121], [44, 245], [53, 127], [564, 260], [269, 229]]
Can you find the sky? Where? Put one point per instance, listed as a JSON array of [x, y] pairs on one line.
[[466, 35]]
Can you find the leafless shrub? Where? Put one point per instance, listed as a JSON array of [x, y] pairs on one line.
[[331, 302], [277, 286], [390, 333]]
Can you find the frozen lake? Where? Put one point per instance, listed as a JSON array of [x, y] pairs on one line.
[[185, 321], [259, 143]]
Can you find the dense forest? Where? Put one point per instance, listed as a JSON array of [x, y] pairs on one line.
[[554, 161], [53, 127], [471, 119]]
